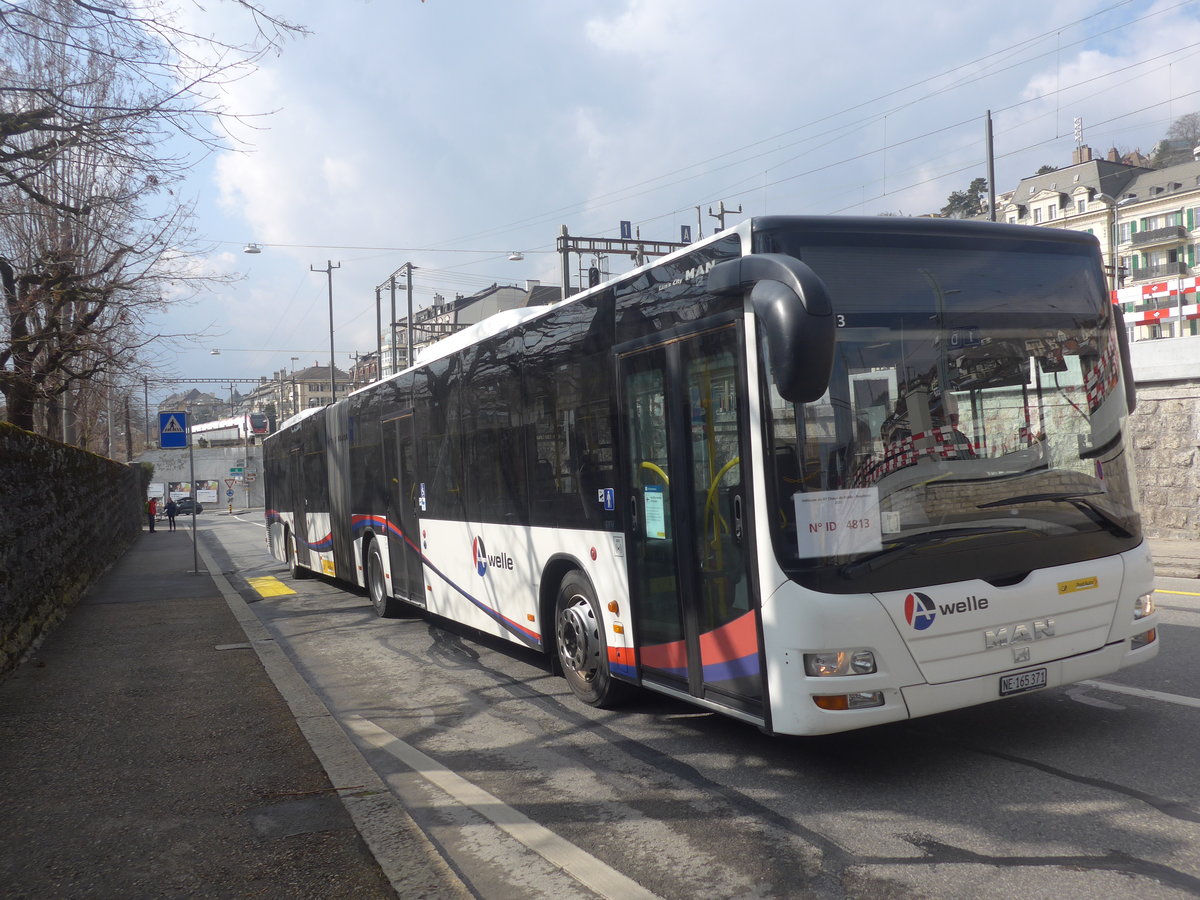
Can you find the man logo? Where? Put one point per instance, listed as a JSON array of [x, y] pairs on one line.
[[919, 611], [480, 556]]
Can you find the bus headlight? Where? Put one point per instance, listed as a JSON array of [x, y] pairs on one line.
[[1143, 606], [839, 662]]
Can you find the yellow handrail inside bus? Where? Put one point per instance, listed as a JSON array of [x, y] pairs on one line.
[[646, 464], [718, 520]]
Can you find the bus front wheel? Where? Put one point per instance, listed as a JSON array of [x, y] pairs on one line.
[[581, 646]]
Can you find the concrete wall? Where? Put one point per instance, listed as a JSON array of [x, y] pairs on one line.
[[1166, 436], [212, 464], [65, 516]]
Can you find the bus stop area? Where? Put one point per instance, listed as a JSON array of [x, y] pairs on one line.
[[160, 744], [147, 749]]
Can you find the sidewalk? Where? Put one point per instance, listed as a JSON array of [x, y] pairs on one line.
[[1176, 559], [145, 752]]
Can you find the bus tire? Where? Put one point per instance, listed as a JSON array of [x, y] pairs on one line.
[[386, 607], [298, 571], [581, 646]]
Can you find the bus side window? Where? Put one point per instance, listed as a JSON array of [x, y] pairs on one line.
[[787, 471]]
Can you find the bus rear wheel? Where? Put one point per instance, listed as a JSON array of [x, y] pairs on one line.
[[298, 571], [386, 607], [581, 646]]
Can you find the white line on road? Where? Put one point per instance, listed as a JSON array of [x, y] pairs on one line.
[[581, 865], [1178, 699]]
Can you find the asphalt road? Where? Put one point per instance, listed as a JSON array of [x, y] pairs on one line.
[[1089, 791]]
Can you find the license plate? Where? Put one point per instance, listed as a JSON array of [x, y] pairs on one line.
[[1022, 681]]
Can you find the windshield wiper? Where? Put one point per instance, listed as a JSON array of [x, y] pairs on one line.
[[905, 545], [1079, 500]]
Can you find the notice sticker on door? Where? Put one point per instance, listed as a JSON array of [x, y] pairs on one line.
[[838, 523], [656, 513]]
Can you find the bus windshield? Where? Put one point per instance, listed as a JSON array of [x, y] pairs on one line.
[[974, 424]]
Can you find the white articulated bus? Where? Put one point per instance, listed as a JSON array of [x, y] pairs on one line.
[[813, 473]]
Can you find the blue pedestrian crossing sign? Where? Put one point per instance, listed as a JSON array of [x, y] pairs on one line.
[[172, 430]]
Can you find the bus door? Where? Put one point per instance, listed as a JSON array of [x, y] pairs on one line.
[[684, 434], [408, 581], [299, 503]]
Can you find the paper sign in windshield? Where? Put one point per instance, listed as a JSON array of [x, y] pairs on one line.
[[656, 512], [838, 523]]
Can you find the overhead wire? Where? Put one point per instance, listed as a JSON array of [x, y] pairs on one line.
[[608, 198]]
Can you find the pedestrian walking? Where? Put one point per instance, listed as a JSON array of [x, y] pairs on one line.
[[172, 512], [151, 510]]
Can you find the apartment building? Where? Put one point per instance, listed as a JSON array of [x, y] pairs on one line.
[[286, 393], [1148, 224]]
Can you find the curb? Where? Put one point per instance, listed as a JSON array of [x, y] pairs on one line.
[[409, 861]]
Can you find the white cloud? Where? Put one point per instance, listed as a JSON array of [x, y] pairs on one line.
[[487, 125]]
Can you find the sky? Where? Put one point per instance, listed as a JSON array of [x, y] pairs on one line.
[[450, 133]]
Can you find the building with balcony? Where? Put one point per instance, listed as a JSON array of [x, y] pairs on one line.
[[286, 393], [1148, 224], [1084, 196]]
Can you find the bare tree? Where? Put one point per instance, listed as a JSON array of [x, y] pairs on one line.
[[94, 238]]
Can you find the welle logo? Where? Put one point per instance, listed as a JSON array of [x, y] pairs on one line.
[[484, 560], [920, 611]]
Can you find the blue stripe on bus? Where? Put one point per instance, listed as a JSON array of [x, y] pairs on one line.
[[324, 545], [734, 668], [622, 669]]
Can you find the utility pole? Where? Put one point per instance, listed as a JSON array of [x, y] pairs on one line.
[[405, 272], [991, 167], [635, 248], [721, 212], [328, 270], [408, 289], [378, 333], [146, 409]]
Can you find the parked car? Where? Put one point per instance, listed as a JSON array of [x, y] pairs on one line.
[[185, 506]]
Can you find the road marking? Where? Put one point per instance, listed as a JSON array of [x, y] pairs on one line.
[[1177, 699], [1181, 593], [269, 586], [579, 864]]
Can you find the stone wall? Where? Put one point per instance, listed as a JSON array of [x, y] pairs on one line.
[[1166, 442], [65, 516]]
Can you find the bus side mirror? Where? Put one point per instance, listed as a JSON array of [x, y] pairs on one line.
[[795, 312]]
